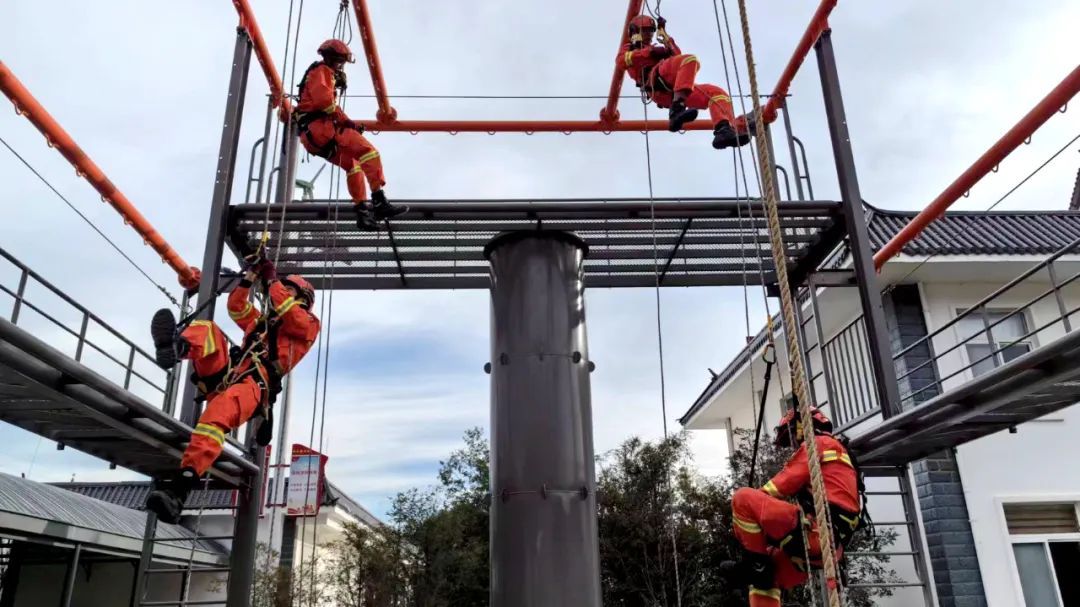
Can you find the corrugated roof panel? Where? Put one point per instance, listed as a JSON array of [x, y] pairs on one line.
[[133, 494], [50, 503]]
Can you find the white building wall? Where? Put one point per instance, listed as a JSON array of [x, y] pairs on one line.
[[1041, 462]]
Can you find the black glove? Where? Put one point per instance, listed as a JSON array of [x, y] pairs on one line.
[[357, 126], [661, 23], [267, 270], [660, 52]]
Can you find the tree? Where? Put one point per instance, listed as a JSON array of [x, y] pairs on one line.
[[368, 568], [446, 527], [664, 529], [276, 586]]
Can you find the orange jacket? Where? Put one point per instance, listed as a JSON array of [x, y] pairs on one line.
[[319, 94], [841, 479], [296, 327], [638, 61]]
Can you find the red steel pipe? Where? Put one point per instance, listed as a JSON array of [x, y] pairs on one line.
[[1058, 98], [610, 113], [262, 53], [527, 126], [386, 112], [57, 137], [818, 24]]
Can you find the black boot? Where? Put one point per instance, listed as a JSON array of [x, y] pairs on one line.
[[383, 208], [725, 136], [679, 115], [168, 497], [365, 216], [169, 348], [265, 433]]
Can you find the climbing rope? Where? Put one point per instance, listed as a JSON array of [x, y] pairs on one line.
[[800, 385], [659, 328]]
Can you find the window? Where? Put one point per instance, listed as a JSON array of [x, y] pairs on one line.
[[1007, 336], [1046, 547]]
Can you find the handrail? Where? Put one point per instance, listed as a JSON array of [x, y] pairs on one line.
[[20, 301]]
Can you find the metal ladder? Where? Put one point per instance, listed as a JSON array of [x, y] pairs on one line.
[[909, 533]]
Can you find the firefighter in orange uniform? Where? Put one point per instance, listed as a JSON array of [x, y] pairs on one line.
[[238, 383], [326, 131], [667, 75], [770, 529]]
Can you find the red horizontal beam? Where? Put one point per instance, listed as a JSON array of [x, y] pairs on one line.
[[1058, 98], [57, 137], [262, 53], [386, 112], [610, 113], [527, 126], [818, 24]]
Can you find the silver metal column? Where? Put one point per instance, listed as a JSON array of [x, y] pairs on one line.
[[544, 546]]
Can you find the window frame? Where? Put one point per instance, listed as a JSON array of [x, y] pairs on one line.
[[981, 338], [1043, 539]]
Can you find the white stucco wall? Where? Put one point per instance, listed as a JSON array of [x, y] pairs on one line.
[[1040, 462]]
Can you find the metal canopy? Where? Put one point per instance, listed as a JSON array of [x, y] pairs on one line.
[[45, 392], [1036, 384], [439, 244]]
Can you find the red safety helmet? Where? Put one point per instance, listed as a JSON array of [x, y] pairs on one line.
[[302, 286], [335, 48], [642, 22], [789, 432]]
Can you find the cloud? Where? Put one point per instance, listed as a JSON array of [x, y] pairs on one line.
[[926, 91]]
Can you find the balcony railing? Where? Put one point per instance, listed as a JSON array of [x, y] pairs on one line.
[[121, 357], [986, 331]]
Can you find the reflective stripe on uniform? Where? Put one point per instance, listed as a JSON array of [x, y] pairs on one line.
[[248, 308], [628, 58], [832, 455], [772, 593], [367, 157], [719, 99], [211, 432], [747, 526], [330, 109], [209, 344], [689, 59], [852, 522], [771, 489], [285, 306]]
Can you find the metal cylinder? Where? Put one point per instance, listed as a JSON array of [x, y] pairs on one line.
[[544, 545]]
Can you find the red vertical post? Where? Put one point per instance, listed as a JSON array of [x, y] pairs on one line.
[[262, 53], [386, 113], [610, 113]]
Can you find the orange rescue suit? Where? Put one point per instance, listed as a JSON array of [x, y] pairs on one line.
[[229, 407], [661, 70], [327, 132], [764, 522]]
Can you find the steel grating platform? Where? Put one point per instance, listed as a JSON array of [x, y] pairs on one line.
[[439, 244], [1036, 384], [50, 394]]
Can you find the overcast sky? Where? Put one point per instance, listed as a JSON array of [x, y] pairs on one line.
[[141, 85]]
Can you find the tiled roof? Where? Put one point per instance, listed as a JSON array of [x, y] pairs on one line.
[[979, 232], [956, 233], [133, 494]]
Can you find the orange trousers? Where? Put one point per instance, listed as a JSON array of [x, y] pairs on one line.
[[354, 153], [679, 72], [761, 522], [225, 410]]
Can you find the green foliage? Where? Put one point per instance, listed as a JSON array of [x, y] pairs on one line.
[[664, 531], [368, 568]]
